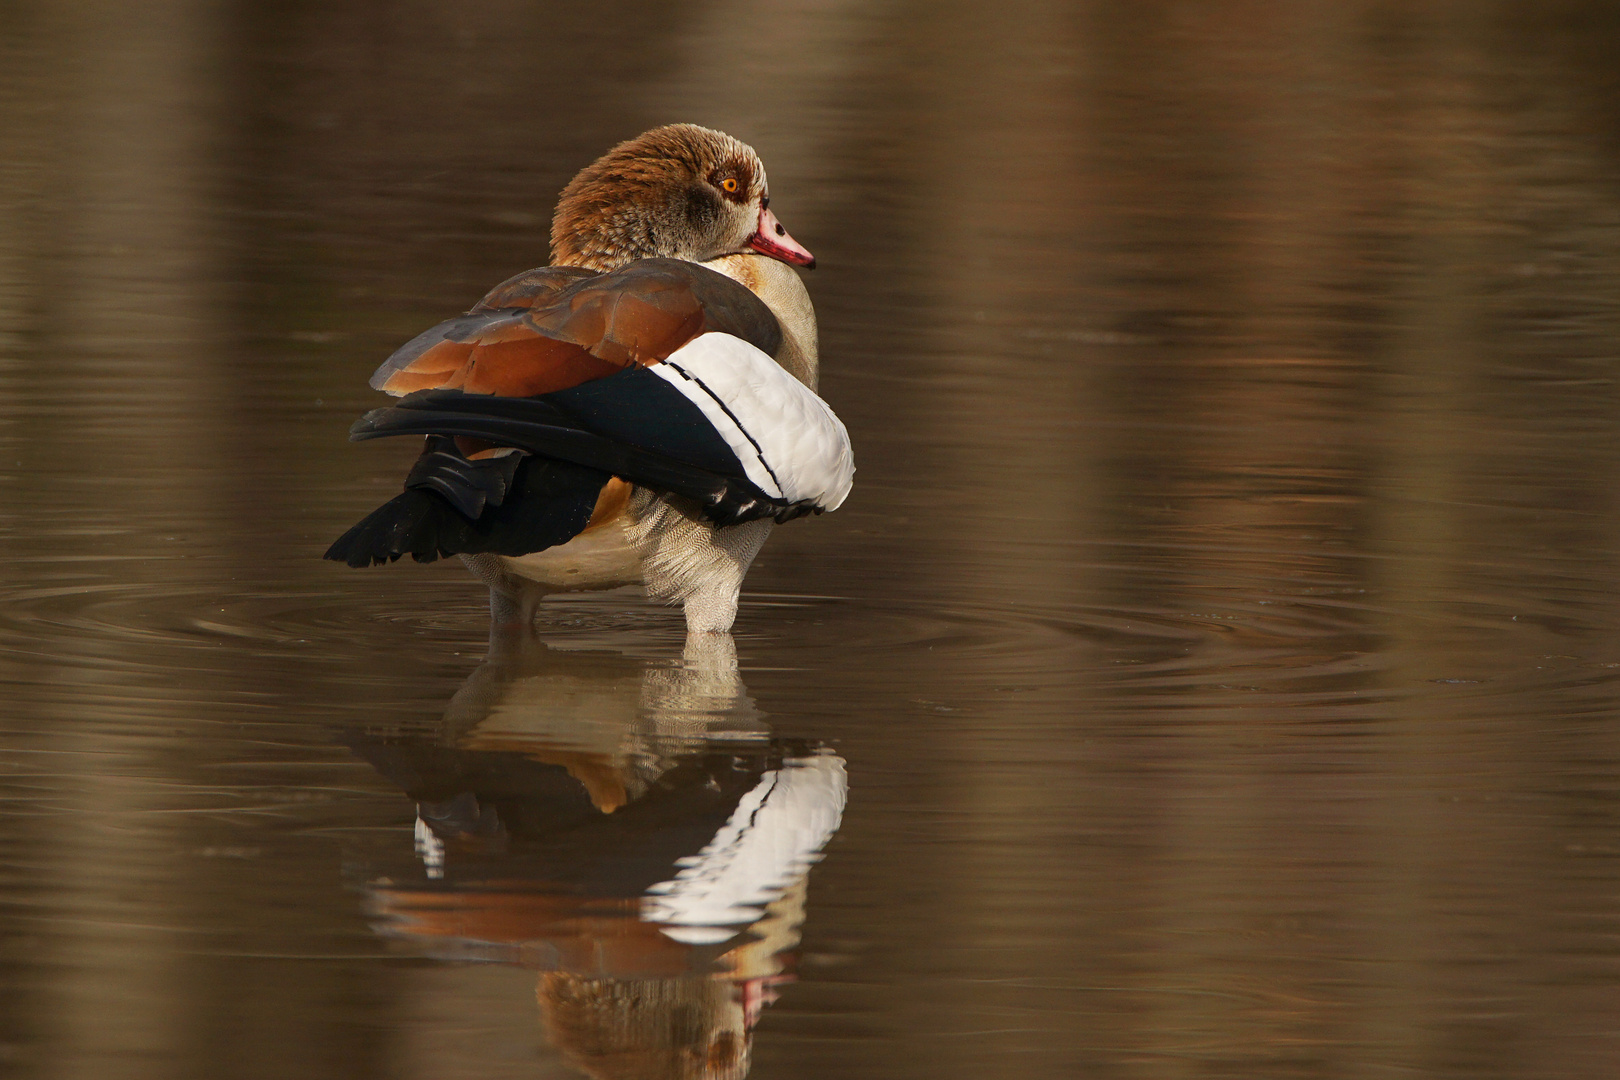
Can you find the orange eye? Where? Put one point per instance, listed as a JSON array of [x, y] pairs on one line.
[[729, 185]]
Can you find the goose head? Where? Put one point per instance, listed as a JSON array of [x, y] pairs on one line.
[[676, 192]]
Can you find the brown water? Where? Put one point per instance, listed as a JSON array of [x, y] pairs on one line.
[[1221, 645]]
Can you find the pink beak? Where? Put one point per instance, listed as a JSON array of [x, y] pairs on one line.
[[773, 240]]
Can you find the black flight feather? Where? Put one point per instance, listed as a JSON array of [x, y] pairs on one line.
[[540, 427], [546, 503]]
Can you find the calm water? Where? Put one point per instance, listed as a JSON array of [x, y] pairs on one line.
[[1216, 672]]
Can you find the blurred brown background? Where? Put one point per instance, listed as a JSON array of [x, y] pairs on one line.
[[1221, 637]]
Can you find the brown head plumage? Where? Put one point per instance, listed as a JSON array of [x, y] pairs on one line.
[[680, 191]]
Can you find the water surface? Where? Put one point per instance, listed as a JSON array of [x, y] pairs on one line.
[[1213, 674]]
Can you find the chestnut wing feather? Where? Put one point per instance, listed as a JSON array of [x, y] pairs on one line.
[[532, 287], [558, 329], [493, 352], [652, 307]]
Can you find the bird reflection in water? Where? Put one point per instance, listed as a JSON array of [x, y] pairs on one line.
[[632, 832]]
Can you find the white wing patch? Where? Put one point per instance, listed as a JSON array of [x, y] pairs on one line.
[[790, 443]]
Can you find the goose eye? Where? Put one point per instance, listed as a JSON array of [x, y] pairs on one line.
[[729, 185]]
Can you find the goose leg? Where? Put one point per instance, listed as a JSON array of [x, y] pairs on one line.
[[511, 602]]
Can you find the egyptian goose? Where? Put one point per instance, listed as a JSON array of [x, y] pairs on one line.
[[643, 409]]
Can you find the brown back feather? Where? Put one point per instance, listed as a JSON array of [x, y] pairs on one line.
[[585, 329]]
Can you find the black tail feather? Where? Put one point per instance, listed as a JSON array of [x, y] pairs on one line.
[[466, 484], [550, 502]]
